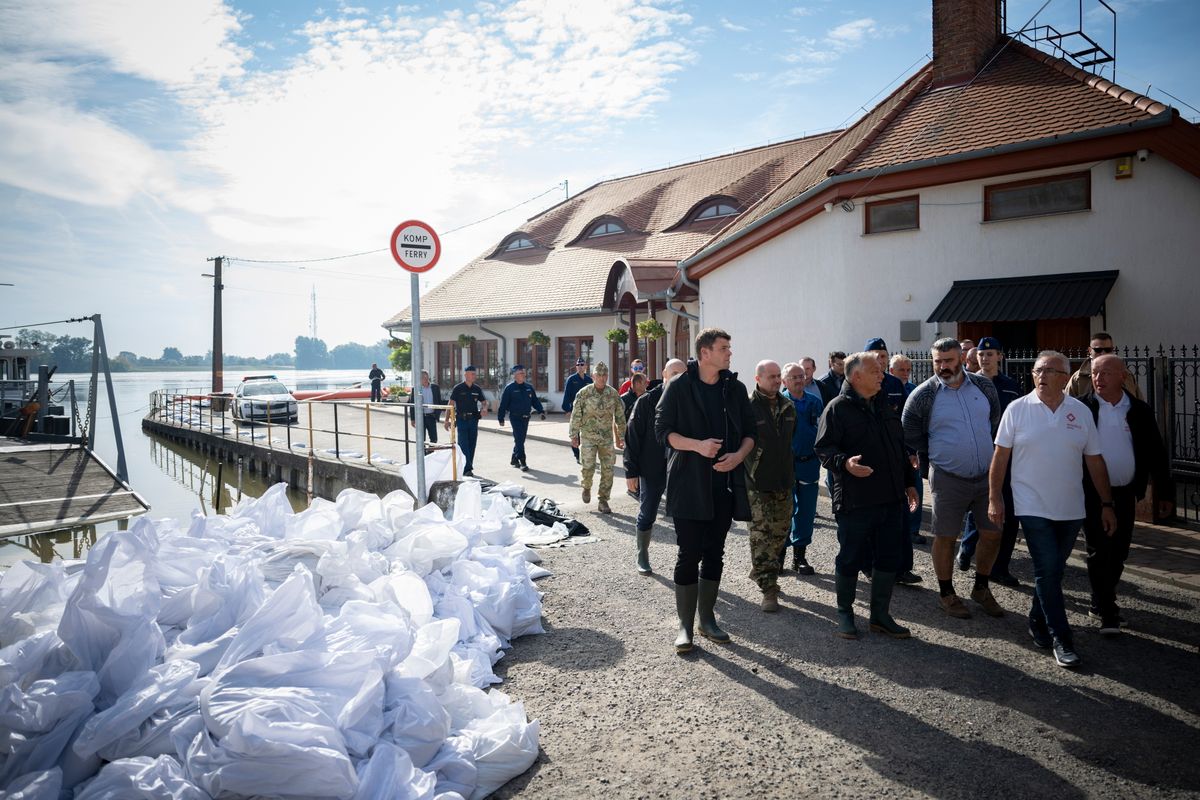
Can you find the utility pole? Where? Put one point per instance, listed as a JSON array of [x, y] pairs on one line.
[[218, 355]]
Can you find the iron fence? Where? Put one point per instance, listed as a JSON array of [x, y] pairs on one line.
[[1169, 380]]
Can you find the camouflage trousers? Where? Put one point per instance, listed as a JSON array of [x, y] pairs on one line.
[[588, 455], [770, 524]]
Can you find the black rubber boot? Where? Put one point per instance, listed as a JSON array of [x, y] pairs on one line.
[[708, 618], [685, 608], [643, 553], [882, 584], [847, 586], [800, 560]]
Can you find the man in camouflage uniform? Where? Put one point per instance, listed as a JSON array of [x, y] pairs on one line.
[[770, 475], [597, 417]]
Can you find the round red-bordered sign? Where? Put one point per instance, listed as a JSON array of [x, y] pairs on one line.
[[415, 246]]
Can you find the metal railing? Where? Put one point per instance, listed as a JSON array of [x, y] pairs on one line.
[[1169, 379], [210, 413], [22, 412]]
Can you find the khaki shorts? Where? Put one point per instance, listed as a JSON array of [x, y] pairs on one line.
[[953, 497]]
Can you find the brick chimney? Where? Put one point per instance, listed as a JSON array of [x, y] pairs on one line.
[[964, 33]]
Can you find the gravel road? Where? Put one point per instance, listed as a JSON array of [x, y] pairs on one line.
[[964, 709]]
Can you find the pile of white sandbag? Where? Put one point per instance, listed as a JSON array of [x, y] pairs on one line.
[[341, 652]]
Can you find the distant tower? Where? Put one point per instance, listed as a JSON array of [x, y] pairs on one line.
[[312, 314]]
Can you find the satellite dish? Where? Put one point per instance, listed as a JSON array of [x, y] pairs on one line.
[[9, 345]]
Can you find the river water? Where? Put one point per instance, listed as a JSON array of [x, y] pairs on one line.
[[168, 476]]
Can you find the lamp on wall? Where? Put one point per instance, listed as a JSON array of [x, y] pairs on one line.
[[847, 205]]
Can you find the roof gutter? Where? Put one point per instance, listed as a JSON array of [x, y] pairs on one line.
[[1157, 121], [503, 345], [406, 325], [679, 312]]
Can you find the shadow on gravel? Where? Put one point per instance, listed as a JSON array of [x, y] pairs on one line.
[[567, 649], [546, 477], [900, 746]]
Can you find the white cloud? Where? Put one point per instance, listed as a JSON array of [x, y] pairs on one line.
[[802, 75], [733, 26], [836, 42], [851, 34]]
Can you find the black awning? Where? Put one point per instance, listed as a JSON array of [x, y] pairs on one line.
[[1065, 296]]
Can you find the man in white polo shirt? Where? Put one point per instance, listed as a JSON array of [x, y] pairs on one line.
[[1049, 437]]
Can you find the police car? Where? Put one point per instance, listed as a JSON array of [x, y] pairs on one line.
[[263, 398]]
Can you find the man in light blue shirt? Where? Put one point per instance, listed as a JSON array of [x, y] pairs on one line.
[[950, 421]]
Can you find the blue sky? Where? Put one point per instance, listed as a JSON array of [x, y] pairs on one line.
[[138, 138]]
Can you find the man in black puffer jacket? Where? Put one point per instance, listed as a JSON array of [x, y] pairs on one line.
[[861, 442], [646, 462], [705, 420]]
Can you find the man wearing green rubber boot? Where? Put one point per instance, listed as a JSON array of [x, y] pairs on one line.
[[861, 442]]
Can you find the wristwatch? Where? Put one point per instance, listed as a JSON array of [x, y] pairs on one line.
[[1108, 504]]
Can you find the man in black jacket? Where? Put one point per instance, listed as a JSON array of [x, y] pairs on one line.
[[770, 478], [1134, 454], [830, 384], [704, 418], [646, 462], [861, 443]]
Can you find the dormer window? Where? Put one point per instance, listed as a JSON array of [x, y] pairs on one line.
[[608, 227], [716, 209], [517, 243]]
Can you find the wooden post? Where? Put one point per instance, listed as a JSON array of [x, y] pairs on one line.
[[368, 434]]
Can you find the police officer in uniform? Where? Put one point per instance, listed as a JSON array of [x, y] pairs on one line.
[[469, 403], [577, 381], [518, 401]]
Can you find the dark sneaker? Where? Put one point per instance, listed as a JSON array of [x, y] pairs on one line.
[[1041, 638], [963, 561], [1121, 621], [803, 567], [908, 578], [1110, 626], [1004, 579], [467, 473], [1065, 655], [918, 538]]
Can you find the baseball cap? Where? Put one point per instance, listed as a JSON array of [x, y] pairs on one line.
[[518, 368], [876, 344], [579, 362], [469, 368], [989, 343]]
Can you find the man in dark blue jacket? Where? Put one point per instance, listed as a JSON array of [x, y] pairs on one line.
[[518, 401], [805, 465], [705, 419], [575, 382], [861, 443]]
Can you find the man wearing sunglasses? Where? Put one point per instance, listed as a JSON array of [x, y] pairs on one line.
[[1081, 382]]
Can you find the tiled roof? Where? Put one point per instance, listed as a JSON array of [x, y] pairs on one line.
[[1023, 95], [564, 276]]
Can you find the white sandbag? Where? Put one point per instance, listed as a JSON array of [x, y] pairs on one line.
[[307, 698], [428, 548], [43, 785], [109, 620], [227, 592], [389, 774], [384, 628], [437, 468], [270, 513], [319, 521], [407, 590], [358, 509], [254, 762], [454, 766], [431, 649], [26, 660], [36, 726], [161, 686], [468, 501], [159, 778], [504, 744], [414, 717], [32, 598], [285, 620]]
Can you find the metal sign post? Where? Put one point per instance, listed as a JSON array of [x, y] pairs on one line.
[[417, 249]]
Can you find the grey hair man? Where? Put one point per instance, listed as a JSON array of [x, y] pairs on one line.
[[1048, 437], [769, 478], [949, 420], [861, 443]]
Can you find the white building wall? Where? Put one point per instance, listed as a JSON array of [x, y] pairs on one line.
[[824, 285]]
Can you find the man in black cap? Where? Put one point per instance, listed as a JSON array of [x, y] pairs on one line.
[[519, 400], [469, 403], [574, 383]]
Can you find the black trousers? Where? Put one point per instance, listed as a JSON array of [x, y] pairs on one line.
[[702, 542], [431, 425], [1106, 554], [872, 538]]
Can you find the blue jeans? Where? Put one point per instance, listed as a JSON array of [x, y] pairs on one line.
[[520, 426], [1050, 543], [468, 434], [871, 538], [804, 510], [649, 495]]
